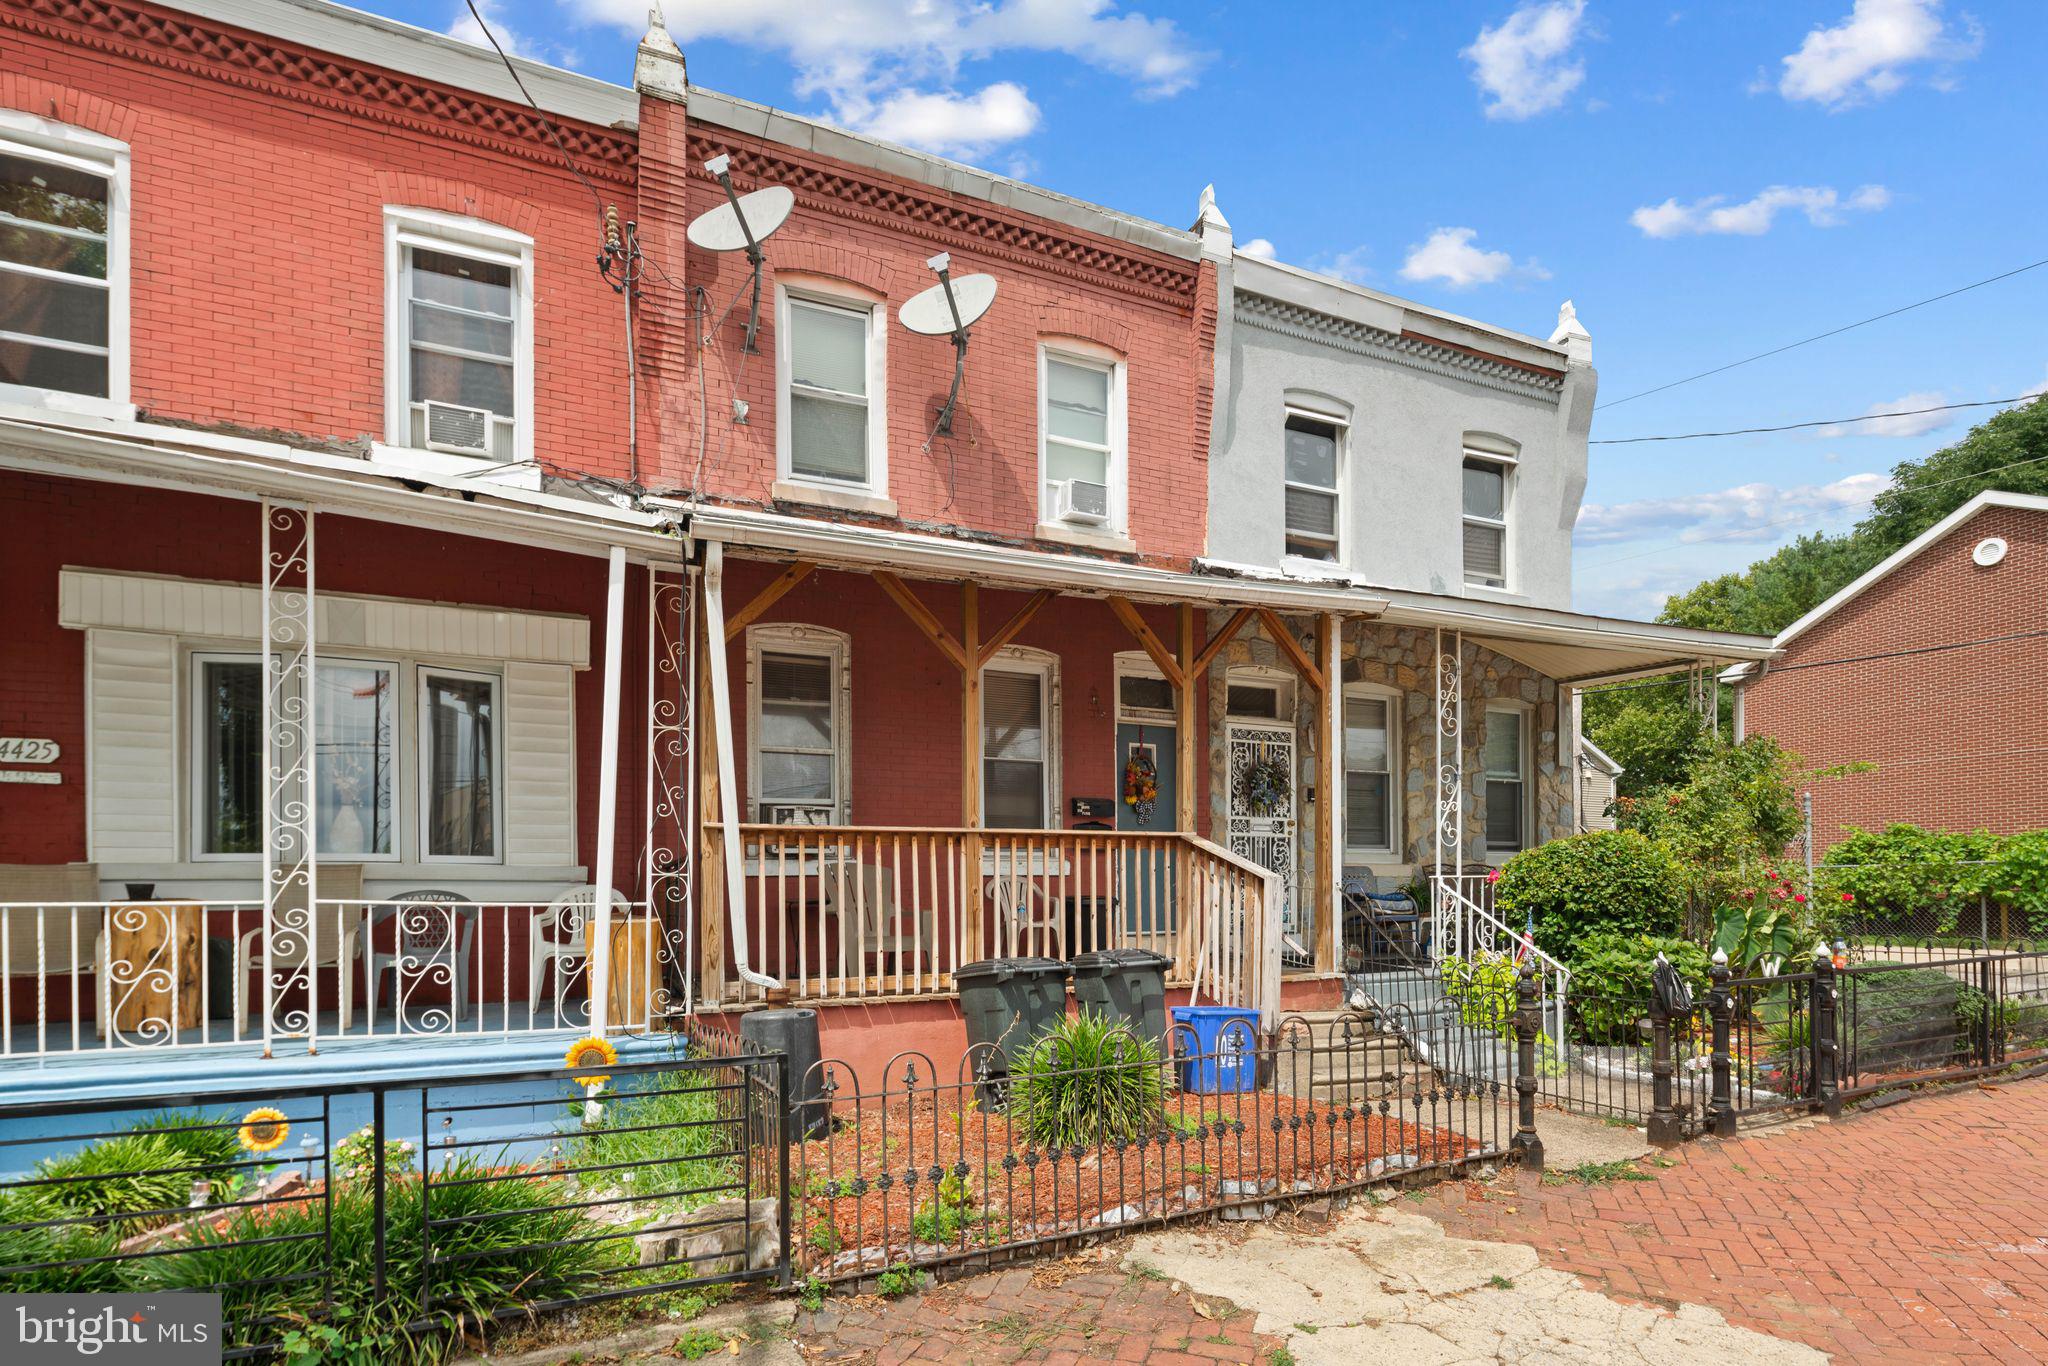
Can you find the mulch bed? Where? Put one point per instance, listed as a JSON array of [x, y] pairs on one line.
[[854, 1194]]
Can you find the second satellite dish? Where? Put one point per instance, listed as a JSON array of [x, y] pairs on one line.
[[742, 223], [949, 308]]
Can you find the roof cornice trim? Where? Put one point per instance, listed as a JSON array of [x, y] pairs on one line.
[[1408, 349], [289, 70]]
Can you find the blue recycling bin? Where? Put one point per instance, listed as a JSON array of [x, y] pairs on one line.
[[1226, 1053]]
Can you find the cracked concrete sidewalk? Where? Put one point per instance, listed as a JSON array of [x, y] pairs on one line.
[[1383, 1284]]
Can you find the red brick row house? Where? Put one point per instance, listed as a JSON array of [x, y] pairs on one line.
[[405, 543]]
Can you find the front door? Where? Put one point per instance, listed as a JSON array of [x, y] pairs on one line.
[[1262, 805], [1145, 882]]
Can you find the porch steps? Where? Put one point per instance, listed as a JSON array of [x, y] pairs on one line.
[[1340, 1057]]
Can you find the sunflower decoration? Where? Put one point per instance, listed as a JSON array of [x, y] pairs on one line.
[[591, 1052], [263, 1129]]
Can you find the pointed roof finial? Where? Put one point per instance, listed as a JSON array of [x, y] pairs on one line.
[[1206, 211], [658, 69], [1571, 334]]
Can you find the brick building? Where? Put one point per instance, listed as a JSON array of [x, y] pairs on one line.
[[373, 548], [1927, 668]]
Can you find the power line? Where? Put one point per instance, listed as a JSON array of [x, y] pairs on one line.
[[1821, 336], [1793, 521], [1822, 422], [534, 104], [1908, 652]]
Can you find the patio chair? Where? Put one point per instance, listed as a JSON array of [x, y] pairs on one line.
[[331, 943], [41, 921], [880, 924], [421, 941], [555, 941], [1383, 928], [1024, 902]]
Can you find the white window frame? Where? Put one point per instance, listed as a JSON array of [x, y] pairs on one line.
[[1020, 659], [1526, 759], [192, 676], [432, 230], [1396, 774], [423, 762], [1286, 695], [824, 295], [1503, 456], [39, 139], [1105, 361], [818, 642], [1339, 489]]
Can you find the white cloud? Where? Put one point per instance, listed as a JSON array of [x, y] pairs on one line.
[[1746, 513], [1822, 205], [1260, 247], [1866, 56], [894, 64], [1525, 64], [951, 124], [469, 30], [2038, 389], [1448, 255], [1910, 422], [1352, 265]]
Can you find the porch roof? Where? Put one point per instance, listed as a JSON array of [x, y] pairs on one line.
[[1571, 647], [154, 455]]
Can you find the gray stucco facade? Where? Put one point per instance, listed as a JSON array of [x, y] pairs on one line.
[[1412, 387]]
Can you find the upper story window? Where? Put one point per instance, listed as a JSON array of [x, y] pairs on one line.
[[1314, 457], [1081, 440], [459, 346], [1505, 757], [798, 695], [63, 264], [1486, 520], [830, 367]]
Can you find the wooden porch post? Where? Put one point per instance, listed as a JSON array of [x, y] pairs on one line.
[[970, 764], [710, 846], [1330, 797]]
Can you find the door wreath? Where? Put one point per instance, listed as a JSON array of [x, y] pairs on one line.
[[1141, 782], [1264, 784]]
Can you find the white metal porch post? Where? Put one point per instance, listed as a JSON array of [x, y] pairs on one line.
[[600, 929], [1450, 784], [291, 881]]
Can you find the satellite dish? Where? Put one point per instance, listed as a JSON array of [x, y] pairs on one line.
[[949, 308], [742, 223]]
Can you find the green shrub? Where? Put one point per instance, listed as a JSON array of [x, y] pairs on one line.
[[1605, 880], [676, 1119], [143, 1175], [899, 1280], [1906, 878], [1482, 987], [949, 1209], [1611, 981], [1086, 1080]]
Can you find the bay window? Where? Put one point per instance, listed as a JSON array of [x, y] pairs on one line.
[[356, 720], [228, 751], [458, 765]]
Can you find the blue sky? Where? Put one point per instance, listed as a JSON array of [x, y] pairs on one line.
[[1705, 181]]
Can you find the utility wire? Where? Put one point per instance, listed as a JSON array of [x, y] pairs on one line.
[[1823, 422], [534, 104], [1818, 336]]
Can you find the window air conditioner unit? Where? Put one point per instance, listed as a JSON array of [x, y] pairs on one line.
[[1078, 500], [465, 431]]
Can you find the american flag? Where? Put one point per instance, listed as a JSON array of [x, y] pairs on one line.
[[1527, 945]]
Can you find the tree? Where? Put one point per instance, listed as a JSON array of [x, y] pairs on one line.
[[1648, 731], [1735, 811]]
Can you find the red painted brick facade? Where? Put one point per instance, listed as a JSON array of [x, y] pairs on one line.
[[1934, 674]]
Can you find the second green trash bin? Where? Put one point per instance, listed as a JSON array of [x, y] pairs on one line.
[[1127, 985], [1009, 1002]]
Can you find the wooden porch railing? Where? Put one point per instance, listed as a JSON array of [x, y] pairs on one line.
[[851, 912]]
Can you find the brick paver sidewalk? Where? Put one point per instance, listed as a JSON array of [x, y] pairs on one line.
[[1918, 1232], [1059, 1313]]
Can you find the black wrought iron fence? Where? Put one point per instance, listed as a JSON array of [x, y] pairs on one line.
[[999, 1156], [384, 1219]]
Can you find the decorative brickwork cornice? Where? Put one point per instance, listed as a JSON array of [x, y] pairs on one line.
[[186, 43], [902, 207], [1409, 349]]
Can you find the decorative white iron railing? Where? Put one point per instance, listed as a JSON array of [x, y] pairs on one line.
[[82, 976], [1463, 921]]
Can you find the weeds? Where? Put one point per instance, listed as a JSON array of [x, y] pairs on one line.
[[1597, 1173], [900, 1280]]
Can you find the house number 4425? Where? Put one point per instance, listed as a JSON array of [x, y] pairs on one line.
[[22, 749]]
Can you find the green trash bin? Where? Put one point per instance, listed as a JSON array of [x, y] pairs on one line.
[[1127, 985], [1008, 1002]]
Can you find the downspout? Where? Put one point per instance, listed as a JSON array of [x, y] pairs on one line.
[[607, 793], [728, 789]]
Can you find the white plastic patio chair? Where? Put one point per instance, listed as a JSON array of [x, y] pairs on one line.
[[555, 940], [423, 942], [41, 922], [332, 943], [875, 918]]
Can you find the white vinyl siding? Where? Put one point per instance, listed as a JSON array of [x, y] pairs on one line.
[[131, 774], [540, 764]]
